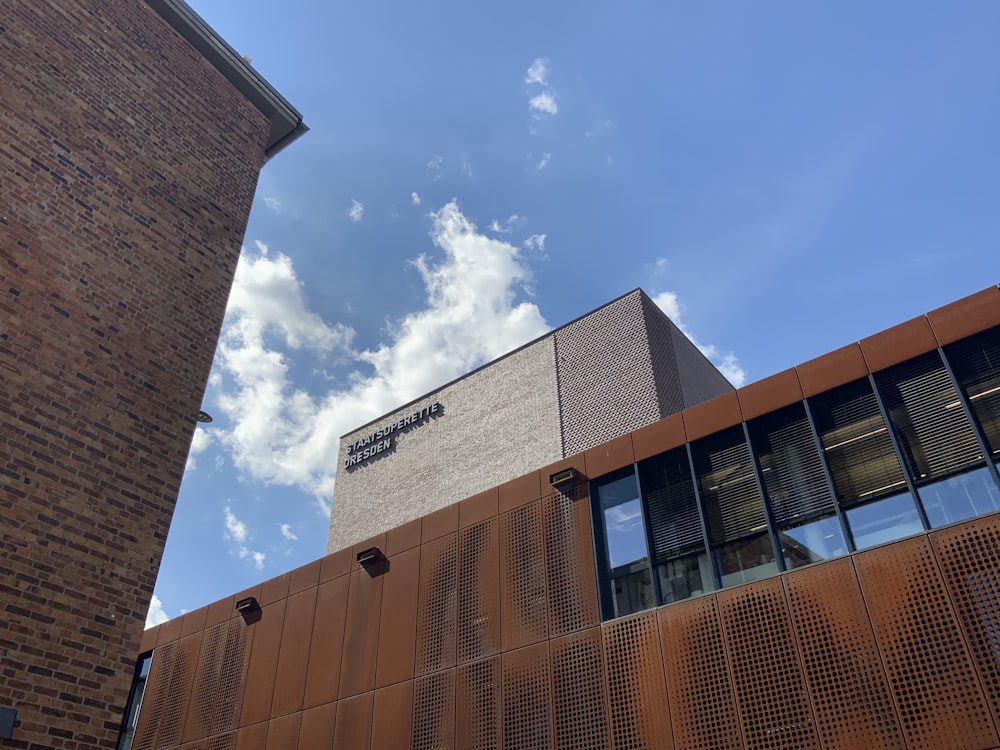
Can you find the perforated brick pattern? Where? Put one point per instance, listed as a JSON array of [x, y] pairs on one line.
[[702, 703], [527, 701], [478, 705], [161, 721], [522, 577], [434, 711], [218, 690], [605, 375], [578, 691], [930, 671], [969, 556], [770, 690], [479, 591], [846, 681], [437, 608], [637, 693], [569, 562]]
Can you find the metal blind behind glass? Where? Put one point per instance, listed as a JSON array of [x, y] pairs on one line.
[[728, 487], [675, 526]]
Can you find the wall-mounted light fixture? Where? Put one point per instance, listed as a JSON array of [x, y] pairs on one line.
[[370, 556], [247, 604], [203, 416], [560, 478]]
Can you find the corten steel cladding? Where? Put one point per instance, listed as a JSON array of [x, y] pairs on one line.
[[437, 607], [770, 690], [579, 696], [940, 700], [357, 669], [293, 657], [392, 717], [527, 699], [637, 692], [478, 705], [397, 621], [161, 722], [259, 686], [849, 692], [353, 725], [322, 677], [218, 684], [479, 591], [569, 561], [434, 711], [702, 702], [969, 556], [523, 608]]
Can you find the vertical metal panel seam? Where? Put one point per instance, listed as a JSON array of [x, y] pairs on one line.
[[729, 667], [666, 677]]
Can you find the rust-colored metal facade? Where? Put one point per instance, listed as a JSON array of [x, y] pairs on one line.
[[482, 629]]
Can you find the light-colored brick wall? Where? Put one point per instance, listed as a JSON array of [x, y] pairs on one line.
[[496, 424]]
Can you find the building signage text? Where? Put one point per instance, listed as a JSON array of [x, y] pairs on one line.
[[381, 440]]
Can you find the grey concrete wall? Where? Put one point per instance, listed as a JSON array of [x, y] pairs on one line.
[[496, 424]]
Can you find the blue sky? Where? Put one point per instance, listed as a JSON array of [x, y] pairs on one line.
[[786, 177]]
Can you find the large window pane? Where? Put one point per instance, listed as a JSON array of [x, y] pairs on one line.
[[812, 542], [884, 521], [626, 536], [976, 363], [684, 577], [625, 545], [633, 592], [935, 437], [959, 497], [746, 560], [856, 444]]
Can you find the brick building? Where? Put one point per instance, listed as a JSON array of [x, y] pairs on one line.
[[131, 138], [810, 561]]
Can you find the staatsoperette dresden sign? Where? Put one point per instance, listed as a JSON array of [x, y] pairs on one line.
[[365, 449]]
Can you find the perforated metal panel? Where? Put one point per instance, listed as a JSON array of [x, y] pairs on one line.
[[479, 591], [218, 693], [846, 681], [434, 711], [969, 556], [770, 691], [569, 562], [578, 691], [522, 577], [527, 703], [702, 703], [637, 693], [437, 606], [478, 704], [225, 741], [161, 719], [931, 676]]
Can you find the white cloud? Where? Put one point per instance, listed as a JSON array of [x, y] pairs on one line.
[[156, 614], [544, 102], [272, 203], [200, 441], [235, 528], [535, 242], [286, 436], [434, 170], [601, 127], [538, 72], [257, 558], [286, 531], [544, 162], [466, 166], [506, 226], [415, 199], [727, 362], [356, 211]]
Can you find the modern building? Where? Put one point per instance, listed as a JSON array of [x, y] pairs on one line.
[[810, 561], [131, 138]]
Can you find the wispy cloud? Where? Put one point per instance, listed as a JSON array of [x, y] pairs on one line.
[[272, 203], [253, 556], [280, 434], [200, 442], [535, 242], [538, 72], [434, 167], [356, 211], [601, 127], [544, 102], [235, 528], [544, 162], [727, 362], [156, 614], [287, 533], [415, 199], [541, 98], [466, 168]]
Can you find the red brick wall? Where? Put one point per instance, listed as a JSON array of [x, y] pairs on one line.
[[127, 169]]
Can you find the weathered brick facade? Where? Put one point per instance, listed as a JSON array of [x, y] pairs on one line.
[[128, 164]]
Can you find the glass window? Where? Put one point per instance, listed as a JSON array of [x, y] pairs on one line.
[[976, 363], [682, 565], [959, 497], [625, 545], [884, 520], [132, 708], [734, 512], [812, 542]]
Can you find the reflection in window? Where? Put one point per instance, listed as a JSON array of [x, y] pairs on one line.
[[802, 504], [134, 702], [959, 497], [737, 525], [625, 544], [976, 363], [682, 565], [884, 521]]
